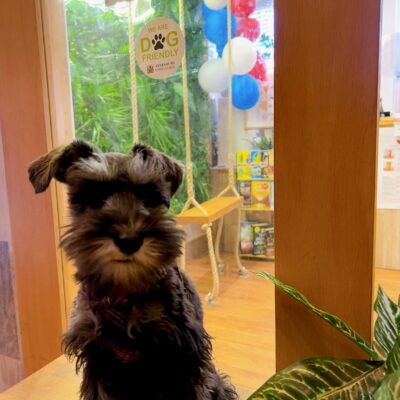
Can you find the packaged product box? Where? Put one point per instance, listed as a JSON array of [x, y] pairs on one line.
[[265, 157], [256, 172], [260, 195], [244, 189], [270, 157], [261, 235], [244, 157], [243, 173], [267, 172], [246, 237], [270, 242], [255, 157], [271, 195]]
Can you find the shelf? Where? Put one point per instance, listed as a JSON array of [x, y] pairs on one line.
[[258, 257], [255, 180], [215, 209], [253, 208], [385, 122], [258, 164]]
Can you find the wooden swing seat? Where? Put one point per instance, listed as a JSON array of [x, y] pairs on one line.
[[215, 209]]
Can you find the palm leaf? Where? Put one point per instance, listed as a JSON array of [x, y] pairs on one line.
[[390, 388], [324, 378], [387, 324], [332, 320]]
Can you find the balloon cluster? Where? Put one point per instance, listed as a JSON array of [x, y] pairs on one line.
[[247, 65]]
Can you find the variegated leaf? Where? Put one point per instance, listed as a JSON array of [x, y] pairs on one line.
[[393, 359], [333, 320], [390, 388], [387, 325], [324, 379]]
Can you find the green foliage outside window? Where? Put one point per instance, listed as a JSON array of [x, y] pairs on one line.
[[99, 58]]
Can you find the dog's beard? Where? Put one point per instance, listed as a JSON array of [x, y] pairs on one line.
[[98, 258]]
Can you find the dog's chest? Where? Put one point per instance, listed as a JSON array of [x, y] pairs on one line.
[[132, 327]]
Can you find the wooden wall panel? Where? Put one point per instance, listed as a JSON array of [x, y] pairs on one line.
[[387, 254], [326, 83], [23, 120]]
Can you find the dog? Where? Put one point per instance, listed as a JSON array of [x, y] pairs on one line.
[[136, 329]]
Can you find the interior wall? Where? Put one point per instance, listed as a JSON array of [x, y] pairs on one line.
[[326, 102], [10, 354], [23, 119]]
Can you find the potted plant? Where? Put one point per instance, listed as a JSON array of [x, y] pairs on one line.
[[377, 377]]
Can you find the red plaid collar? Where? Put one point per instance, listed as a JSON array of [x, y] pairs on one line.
[[114, 312]]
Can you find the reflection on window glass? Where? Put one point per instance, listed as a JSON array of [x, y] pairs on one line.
[[99, 56]]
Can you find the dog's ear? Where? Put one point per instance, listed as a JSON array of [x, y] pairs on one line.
[[56, 163], [174, 174], [160, 166]]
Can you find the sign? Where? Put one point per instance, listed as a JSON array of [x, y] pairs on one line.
[[160, 47], [389, 168]]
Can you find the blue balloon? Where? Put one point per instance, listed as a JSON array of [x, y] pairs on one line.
[[205, 10], [245, 92], [215, 27], [220, 49]]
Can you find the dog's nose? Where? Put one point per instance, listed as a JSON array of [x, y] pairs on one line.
[[129, 245]]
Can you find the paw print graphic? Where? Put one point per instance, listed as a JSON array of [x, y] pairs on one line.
[[158, 42]]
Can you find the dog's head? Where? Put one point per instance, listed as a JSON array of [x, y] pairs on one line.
[[120, 232]]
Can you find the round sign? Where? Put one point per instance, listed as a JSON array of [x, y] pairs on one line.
[[159, 49]]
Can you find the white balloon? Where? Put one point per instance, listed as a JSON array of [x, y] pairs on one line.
[[215, 4], [213, 76], [244, 55]]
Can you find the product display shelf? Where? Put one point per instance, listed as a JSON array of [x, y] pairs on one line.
[[252, 163], [256, 208], [258, 257]]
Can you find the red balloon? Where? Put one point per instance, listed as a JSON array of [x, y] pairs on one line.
[[243, 8], [248, 28], [259, 71]]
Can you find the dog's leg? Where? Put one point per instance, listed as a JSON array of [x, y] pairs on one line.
[[83, 330]]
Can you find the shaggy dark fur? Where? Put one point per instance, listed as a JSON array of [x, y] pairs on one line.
[[137, 326]]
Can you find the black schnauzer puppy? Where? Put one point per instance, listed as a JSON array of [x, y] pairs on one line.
[[137, 326]]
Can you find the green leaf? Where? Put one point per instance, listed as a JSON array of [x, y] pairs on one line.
[[332, 320], [324, 378], [393, 359], [390, 388], [387, 324]]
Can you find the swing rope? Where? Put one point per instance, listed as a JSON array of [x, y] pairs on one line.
[[231, 175], [189, 166], [132, 65], [134, 103]]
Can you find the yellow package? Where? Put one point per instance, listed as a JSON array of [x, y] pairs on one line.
[[243, 173], [260, 195]]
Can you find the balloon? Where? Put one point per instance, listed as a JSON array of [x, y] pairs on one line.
[[245, 92], [244, 55], [215, 27], [243, 8], [260, 70], [213, 76], [248, 28], [215, 4], [220, 50], [205, 10]]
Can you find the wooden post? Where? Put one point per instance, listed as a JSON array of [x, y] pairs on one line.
[[23, 118], [326, 96]]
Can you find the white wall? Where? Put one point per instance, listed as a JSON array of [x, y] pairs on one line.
[[390, 56]]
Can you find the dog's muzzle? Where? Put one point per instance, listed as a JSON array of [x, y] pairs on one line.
[[129, 245]]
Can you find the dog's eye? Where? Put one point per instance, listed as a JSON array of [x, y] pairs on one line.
[[150, 195], [92, 194]]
